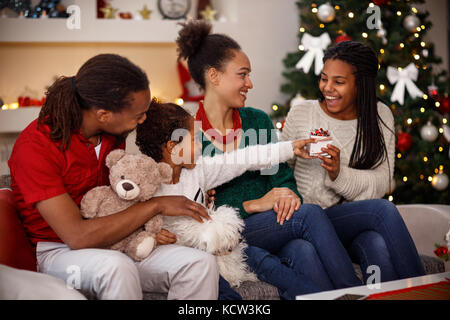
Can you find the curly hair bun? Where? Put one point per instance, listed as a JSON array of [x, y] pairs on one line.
[[191, 37]]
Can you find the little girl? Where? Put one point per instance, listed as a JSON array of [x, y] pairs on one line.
[[169, 135]]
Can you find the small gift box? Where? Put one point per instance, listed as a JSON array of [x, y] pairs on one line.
[[323, 138]]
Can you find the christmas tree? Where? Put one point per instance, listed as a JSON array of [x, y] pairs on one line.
[[407, 83]]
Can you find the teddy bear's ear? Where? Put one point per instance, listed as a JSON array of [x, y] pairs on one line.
[[165, 171], [114, 156]]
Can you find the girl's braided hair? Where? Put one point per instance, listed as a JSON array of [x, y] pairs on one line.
[[369, 150]]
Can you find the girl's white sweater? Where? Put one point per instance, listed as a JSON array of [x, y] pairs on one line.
[[313, 181], [211, 172]]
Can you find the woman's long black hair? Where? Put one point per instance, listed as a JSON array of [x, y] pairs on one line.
[[369, 150]]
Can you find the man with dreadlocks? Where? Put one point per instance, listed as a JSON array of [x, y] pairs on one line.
[[360, 165], [61, 155]]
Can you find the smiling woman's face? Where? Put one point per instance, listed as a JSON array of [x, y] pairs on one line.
[[338, 86], [234, 81]]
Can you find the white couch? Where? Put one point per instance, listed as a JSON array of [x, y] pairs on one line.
[[428, 224]]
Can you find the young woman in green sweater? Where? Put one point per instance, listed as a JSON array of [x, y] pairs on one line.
[[291, 245]]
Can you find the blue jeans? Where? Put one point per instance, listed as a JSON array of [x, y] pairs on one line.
[[304, 255], [375, 234], [226, 292]]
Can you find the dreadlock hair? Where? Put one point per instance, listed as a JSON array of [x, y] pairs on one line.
[[203, 50], [369, 150], [162, 120], [105, 81]]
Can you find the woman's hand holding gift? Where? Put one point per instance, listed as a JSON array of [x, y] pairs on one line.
[[333, 163]]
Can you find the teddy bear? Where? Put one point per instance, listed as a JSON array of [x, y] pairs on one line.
[[133, 178]]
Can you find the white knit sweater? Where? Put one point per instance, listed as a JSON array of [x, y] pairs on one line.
[[313, 181], [211, 172]]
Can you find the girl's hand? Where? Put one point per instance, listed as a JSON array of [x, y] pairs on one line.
[[300, 150], [210, 197], [165, 237], [333, 164]]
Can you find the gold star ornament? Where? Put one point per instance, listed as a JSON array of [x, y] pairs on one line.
[[145, 13], [109, 12], [208, 13]]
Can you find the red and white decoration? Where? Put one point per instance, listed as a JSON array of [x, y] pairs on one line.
[[191, 90]]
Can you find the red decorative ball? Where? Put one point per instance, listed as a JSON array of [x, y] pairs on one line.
[[444, 107], [404, 141], [342, 38], [380, 2]]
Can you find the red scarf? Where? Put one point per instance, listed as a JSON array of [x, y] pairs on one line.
[[206, 125]]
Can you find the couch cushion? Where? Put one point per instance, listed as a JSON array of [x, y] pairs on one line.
[[15, 250], [249, 290]]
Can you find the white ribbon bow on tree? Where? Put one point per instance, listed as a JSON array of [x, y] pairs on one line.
[[403, 78], [314, 47]]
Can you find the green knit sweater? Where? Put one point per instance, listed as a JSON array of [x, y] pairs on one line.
[[252, 184]]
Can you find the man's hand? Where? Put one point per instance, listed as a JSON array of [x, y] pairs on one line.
[[180, 206]]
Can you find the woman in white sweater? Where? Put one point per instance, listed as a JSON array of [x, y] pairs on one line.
[[359, 168]]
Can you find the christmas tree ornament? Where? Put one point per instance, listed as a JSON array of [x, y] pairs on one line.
[[411, 23], [404, 141], [440, 181], [326, 13], [109, 12], [314, 47], [446, 133], [145, 12], [208, 14], [429, 132], [432, 90], [297, 100], [444, 106], [380, 2], [403, 78], [342, 38]]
